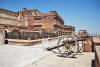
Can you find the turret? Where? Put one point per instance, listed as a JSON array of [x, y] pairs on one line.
[[53, 12], [24, 9]]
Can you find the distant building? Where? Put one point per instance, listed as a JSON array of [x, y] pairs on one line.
[[69, 30], [83, 33], [34, 20]]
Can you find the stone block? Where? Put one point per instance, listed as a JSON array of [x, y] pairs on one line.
[[2, 36]]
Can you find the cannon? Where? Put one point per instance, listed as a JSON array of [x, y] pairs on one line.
[[68, 45]]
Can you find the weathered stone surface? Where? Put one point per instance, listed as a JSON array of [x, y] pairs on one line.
[[97, 56], [96, 39], [97, 50], [37, 56], [19, 56], [82, 60], [2, 36]]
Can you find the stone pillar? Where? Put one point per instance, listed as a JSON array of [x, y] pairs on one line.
[[26, 21], [87, 46], [73, 33], [2, 36]]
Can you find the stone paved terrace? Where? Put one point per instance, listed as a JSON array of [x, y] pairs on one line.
[[36, 56], [81, 60]]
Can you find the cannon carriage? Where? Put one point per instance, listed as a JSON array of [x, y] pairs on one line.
[[68, 45]]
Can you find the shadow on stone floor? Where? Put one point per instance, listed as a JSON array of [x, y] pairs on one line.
[[92, 63]]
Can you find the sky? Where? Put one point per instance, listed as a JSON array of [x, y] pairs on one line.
[[83, 14]]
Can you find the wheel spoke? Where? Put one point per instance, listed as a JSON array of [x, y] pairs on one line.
[[70, 47]]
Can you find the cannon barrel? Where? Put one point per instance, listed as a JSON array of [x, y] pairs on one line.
[[64, 43]]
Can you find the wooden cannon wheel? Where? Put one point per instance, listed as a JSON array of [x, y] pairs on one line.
[[69, 46]]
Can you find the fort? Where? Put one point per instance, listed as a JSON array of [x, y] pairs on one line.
[[42, 33], [34, 20]]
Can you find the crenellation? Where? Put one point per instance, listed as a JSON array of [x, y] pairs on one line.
[[53, 12], [24, 9], [8, 12]]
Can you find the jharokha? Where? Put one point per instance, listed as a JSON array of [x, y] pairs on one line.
[[34, 20]]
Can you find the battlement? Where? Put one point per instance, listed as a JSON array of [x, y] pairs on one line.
[[8, 12]]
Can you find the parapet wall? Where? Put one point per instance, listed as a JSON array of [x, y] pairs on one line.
[[97, 56], [6, 19], [8, 12], [96, 48], [8, 16]]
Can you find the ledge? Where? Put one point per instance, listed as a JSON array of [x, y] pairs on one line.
[[27, 42]]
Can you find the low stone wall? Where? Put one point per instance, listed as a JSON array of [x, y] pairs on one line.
[[27, 42], [2, 36], [88, 43], [96, 48], [97, 56], [24, 42]]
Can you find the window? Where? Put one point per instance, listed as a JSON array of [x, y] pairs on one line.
[[37, 18], [33, 13], [37, 25], [51, 17]]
